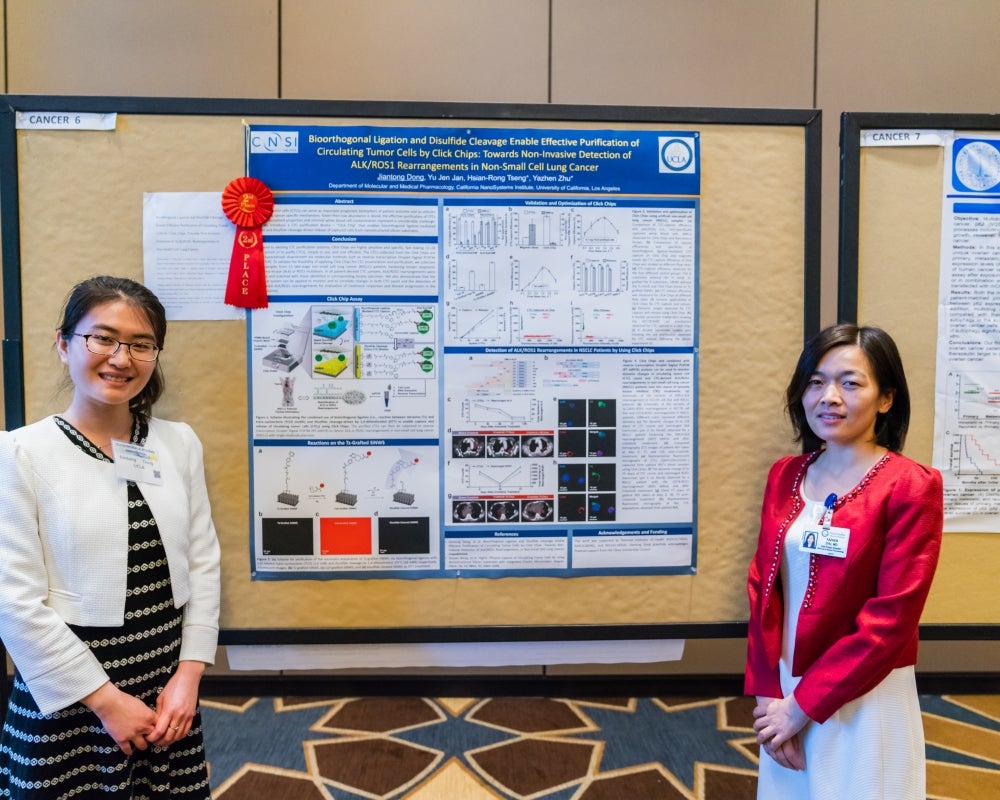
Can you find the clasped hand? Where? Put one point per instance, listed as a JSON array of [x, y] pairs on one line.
[[134, 725], [777, 722]]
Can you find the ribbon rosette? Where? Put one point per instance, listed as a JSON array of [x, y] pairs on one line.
[[248, 203]]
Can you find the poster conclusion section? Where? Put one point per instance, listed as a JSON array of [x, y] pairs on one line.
[[479, 356]]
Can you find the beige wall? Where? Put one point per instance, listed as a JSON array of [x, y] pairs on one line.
[[837, 55]]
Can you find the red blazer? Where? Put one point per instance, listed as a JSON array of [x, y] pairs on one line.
[[859, 618]]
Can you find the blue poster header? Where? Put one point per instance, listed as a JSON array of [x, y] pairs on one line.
[[475, 160]]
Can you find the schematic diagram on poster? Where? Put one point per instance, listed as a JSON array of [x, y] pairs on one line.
[[373, 362]]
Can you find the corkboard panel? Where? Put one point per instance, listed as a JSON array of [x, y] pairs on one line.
[[753, 254], [895, 196]]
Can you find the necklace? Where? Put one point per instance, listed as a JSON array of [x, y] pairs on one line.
[[107, 448]]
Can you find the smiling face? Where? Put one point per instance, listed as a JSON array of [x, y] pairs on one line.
[[101, 382], [842, 400]]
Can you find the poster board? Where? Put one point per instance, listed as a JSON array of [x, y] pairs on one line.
[[72, 207], [890, 266]]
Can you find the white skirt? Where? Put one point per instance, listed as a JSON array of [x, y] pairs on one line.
[[871, 749]]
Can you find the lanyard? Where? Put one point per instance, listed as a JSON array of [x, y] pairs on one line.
[[831, 499]]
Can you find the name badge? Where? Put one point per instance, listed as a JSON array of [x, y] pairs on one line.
[[133, 462], [826, 541]]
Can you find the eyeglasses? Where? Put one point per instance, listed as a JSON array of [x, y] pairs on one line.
[[101, 345]]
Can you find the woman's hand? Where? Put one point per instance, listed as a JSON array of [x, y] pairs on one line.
[[777, 723], [125, 717], [789, 754], [176, 704]]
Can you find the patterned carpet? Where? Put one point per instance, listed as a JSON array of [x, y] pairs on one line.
[[645, 748]]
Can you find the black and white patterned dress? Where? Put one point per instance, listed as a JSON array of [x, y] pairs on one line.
[[69, 754]]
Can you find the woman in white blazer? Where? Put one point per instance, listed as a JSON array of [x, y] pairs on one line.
[[109, 580]]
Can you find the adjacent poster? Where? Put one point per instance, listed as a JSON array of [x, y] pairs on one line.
[[480, 352], [967, 408]]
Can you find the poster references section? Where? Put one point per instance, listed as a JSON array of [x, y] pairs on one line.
[[967, 409], [475, 380]]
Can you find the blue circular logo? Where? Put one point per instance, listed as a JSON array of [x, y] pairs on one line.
[[676, 155]]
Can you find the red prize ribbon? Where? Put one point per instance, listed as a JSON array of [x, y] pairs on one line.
[[249, 204]]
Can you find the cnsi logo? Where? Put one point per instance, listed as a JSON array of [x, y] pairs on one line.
[[274, 142], [677, 154]]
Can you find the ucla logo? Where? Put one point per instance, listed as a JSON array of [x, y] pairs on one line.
[[274, 142], [677, 154]]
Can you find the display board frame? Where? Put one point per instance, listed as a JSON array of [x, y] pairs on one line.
[[735, 123], [888, 275]]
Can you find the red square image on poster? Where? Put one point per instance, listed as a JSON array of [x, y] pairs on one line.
[[345, 536]]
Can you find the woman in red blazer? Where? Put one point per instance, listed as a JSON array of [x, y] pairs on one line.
[[849, 541]]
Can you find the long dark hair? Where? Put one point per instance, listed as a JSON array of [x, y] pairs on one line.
[[887, 369], [106, 289]]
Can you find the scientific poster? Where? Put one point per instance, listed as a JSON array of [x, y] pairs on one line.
[[967, 394], [480, 352]]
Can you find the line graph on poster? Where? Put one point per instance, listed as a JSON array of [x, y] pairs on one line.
[[971, 454], [971, 430]]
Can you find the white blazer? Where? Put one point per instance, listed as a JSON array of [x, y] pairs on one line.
[[64, 552]]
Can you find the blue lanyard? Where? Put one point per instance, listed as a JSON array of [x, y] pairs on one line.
[[831, 499]]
